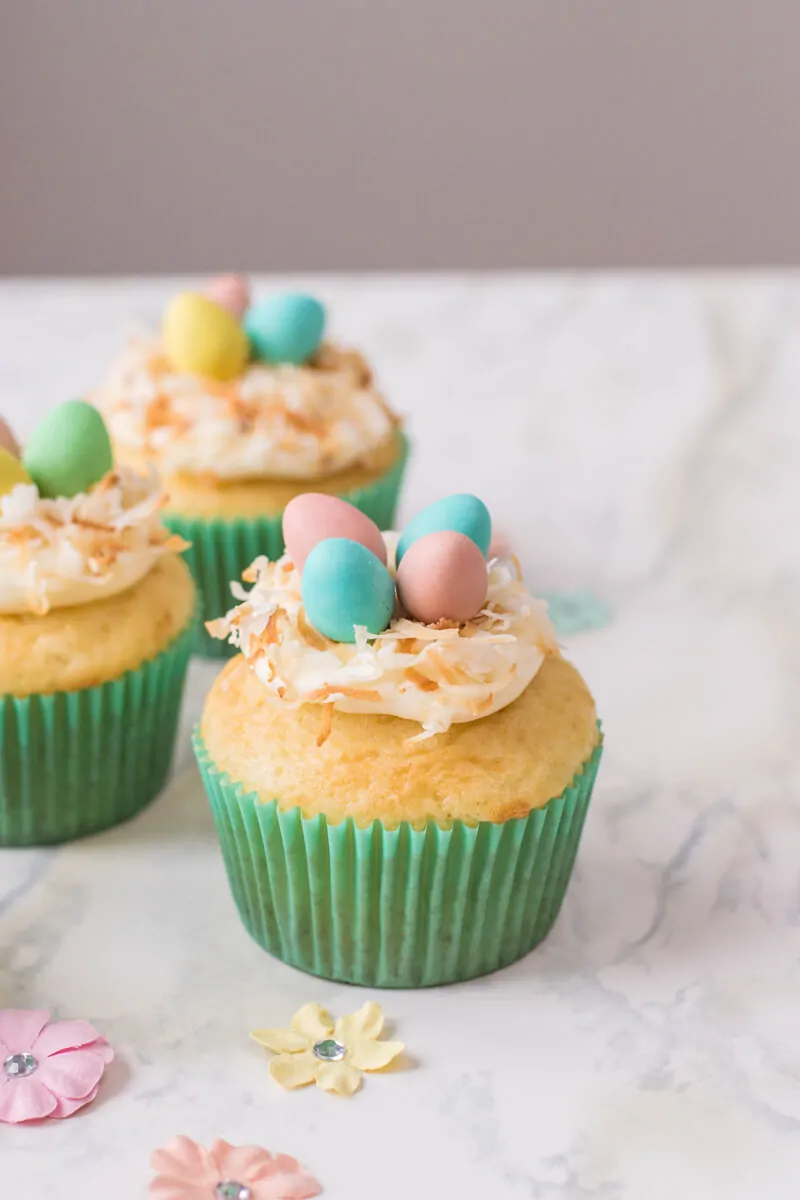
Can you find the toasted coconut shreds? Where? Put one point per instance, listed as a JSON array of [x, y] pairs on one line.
[[250, 574], [421, 681], [332, 691], [309, 634], [218, 628], [325, 725], [407, 646], [270, 635]]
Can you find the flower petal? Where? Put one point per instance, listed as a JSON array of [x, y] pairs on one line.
[[286, 1180], [72, 1073], [185, 1160], [164, 1187], [65, 1106], [282, 1041], [338, 1077], [294, 1070], [313, 1021], [25, 1100], [19, 1029], [367, 1022], [64, 1035], [369, 1055], [246, 1163]]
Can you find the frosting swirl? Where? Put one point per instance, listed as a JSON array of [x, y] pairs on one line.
[[56, 553], [282, 421], [436, 675]]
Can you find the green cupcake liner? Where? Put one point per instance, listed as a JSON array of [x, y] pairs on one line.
[[73, 763], [220, 550], [397, 907]]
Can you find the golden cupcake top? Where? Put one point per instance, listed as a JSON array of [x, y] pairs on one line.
[[418, 625], [235, 388], [73, 528]]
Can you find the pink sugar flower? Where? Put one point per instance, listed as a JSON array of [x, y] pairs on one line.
[[47, 1069], [186, 1171]]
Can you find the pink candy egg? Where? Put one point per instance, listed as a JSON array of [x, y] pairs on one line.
[[313, 517], [7, 439], [442, 577], [231, 292]]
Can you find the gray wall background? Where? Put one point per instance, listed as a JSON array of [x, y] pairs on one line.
[[158, 135]]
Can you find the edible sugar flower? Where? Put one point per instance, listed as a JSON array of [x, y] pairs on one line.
[[315, 1050], [186, 1171], [47, 1069]]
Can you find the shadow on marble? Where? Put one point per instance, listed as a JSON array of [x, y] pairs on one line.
[[181, 812]]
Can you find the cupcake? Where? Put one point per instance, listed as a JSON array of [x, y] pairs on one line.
[[243, 406], [97, 623], [400, 761]]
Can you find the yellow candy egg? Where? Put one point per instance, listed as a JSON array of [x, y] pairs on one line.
[[12, 472], [202, 338]]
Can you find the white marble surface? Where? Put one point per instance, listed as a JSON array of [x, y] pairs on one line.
[[638, 437]]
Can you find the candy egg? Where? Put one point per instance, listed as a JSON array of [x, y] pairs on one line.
[[69, 451], [461, 513], [7, 440], [313, 517], [286, 328], [12, 472], [345, 585], [442, 577], [202, 338], [231, 292]]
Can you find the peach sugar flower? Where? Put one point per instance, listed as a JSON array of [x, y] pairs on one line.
[[187, 1171]]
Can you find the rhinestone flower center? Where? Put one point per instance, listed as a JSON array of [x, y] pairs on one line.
[[231, 1189], [329, 1050], [17, 1066]]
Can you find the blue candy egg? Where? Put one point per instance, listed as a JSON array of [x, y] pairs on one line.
[[286, 328], [345, 585], [462, 514]]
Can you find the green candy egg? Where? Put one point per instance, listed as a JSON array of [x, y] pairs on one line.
[[69, 451], [286, 328], [345, 585], [461, 513]]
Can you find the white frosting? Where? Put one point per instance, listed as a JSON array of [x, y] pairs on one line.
[[435, 676], [283, 422], [55, 553]]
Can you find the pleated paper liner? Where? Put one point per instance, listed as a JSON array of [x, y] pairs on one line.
[[221, 549], [73, 763], [396, 907]]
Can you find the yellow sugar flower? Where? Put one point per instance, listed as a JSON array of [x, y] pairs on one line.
[[315, 1050]]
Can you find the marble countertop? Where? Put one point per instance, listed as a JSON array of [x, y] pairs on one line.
[[638, 437]]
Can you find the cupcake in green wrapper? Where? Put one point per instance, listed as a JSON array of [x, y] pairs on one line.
[[243, 406], [399, 803], [97, 624]]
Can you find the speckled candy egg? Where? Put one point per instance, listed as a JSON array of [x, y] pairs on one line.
[[12, 471], [7, 440], [202, 338], [313, 517], [69, 451], [286, 328], [461, 513], [231, 292], [345, 585], [442, 577]]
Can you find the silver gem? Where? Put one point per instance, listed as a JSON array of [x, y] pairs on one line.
[[330, 1050], [19, 1065], [231, 1189]]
